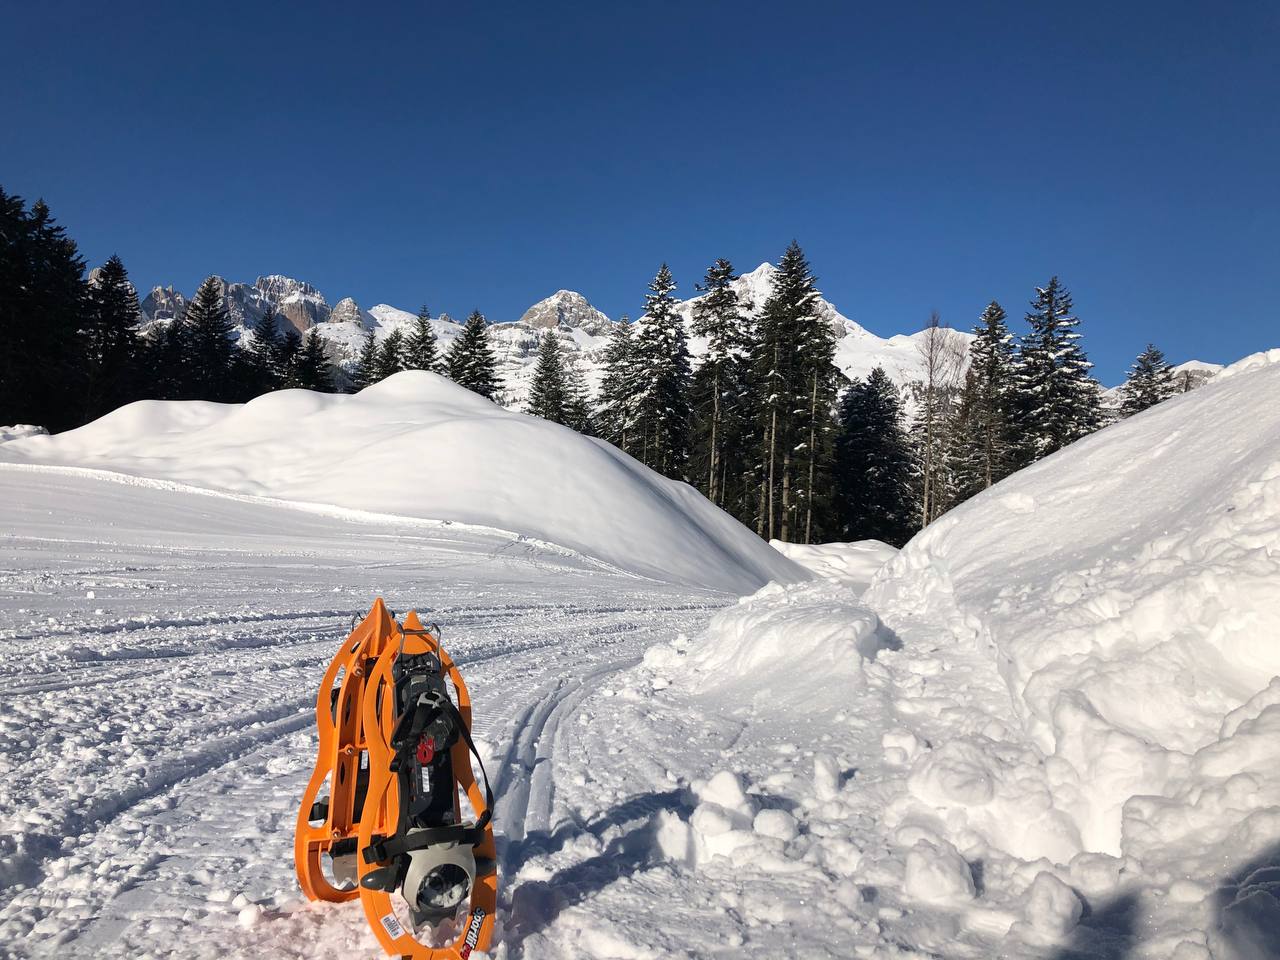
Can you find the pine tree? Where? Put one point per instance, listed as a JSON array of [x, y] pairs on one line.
[[470, 362], [662, 403], [266, 351], [718, 389], [577, 400], [209, 345], [616, 414], [794, 381], [421, 349], [873, 464], [164, 358], [548, 391], [110, 341], [366, 370], [391, 355], [312, 369], [290, 349], [1149, 382], [980, 441], [1056, 401], [44, 300]]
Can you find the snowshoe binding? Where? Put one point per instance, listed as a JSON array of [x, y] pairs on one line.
[[395, 753]]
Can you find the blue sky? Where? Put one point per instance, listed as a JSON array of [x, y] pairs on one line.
[[926, 156]]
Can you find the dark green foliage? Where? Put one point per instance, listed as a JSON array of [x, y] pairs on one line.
[[616, 411], [721, 418], [290, 348], [1150, 381], [421, 349], [312, 369], [873, 464], [43, 301], [209, 348], [110, 341], [471, 362], [367, 363], [391, 355], [793, 385], [661, 354], [1056, 401], [265, 353], [980, 439], [548, 390], [164, 358]]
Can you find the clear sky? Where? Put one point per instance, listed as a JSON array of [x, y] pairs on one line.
[[926, 156]]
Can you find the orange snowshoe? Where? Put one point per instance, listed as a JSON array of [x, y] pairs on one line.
[[395, 755]]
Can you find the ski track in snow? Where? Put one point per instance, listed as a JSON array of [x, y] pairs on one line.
[[157, 734]]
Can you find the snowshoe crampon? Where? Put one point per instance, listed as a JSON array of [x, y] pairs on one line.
[[395, 755]]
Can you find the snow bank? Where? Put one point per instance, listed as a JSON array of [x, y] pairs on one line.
[[1128, 591], [853, 564], [417, 445], [784, 639]]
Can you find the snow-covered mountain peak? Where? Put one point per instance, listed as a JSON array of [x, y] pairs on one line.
[[279, 287], [347, 310], [566, 308]]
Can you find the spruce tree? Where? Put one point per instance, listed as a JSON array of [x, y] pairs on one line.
[[577, 404], [470, 361], [312, 369], [662, 403], [980, 440], [44, 300], [794, 381], [367, 363], [209, 345], [421, 349], [266, 351], [110, 341], [718, 389], [164, 358], [1149, 382], [290, 348], [616, 414], [1056, 401], [391, 355], [548, 391], [873, 464]]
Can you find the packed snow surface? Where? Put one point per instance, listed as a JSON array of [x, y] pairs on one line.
[[417, 445], [853, 564], [1047, 731]]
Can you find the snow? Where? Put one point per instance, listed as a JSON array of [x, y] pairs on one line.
[[20, 431], [853, 564], [417, 445], [1047, 729]]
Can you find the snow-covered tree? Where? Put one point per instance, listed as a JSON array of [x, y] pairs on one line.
[[421, 349], [471, 362], [619, 386], [793, 382], [942, 355], [873, 464], [1056, 400], [1150, 381], [662, 403]]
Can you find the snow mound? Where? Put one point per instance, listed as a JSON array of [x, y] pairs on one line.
[[20, 431], [853, 564], [783, 639], [417, 445], [1128, 591]]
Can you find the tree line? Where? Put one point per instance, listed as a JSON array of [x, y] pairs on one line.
[[765, 425]]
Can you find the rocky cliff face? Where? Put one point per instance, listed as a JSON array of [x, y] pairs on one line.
[[162, 303], [566, 308]]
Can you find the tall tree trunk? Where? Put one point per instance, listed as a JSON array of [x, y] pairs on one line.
[[813, 460], [715, 423], [785, 534]]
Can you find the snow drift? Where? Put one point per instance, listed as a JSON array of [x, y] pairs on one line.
[[417, 445], [1128, 591]]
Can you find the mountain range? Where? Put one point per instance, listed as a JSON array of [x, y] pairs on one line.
[[582, 329]]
